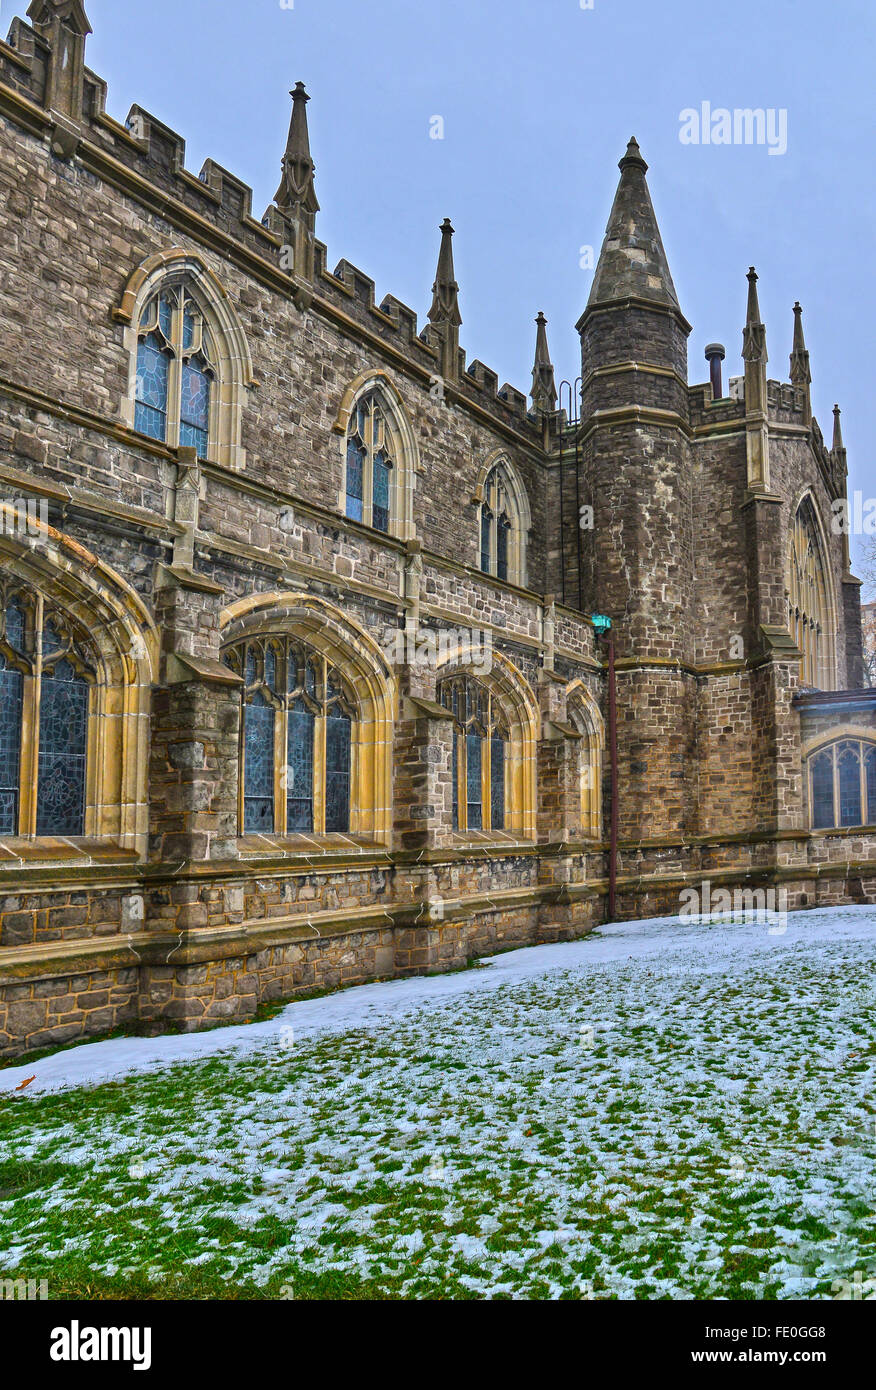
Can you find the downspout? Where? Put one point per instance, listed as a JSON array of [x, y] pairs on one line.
[[612, 742]]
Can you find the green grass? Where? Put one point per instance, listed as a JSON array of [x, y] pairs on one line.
[[717, 1140]]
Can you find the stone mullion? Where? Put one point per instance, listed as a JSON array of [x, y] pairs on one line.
[[319, 771], [30, 729], [281, 768], [486, 786], [241, 762], [95, 757]]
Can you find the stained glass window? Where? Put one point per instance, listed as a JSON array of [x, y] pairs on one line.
[[479, 755], [62, 751], [10, 744], [175, 372], [299, 788], [44, 684], [486, 534], [380, 506], [258, 798], [153, 368], [355, 479], [293, 701], [842, 781], [501, 539], [337, 773], [822, 791], [473, 781], [15, 625], [370, 462], [497, 781], [849, 768]]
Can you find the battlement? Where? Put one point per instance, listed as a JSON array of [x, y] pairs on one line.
[[147, 158]]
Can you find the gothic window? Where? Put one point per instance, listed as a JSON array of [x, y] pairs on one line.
[[501, 527], [296, 741], [808, 605], [480, 759], [46, 680], [842, 785], [372, 461], [586, 719], [176, 371]]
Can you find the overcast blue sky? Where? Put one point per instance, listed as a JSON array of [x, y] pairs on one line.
[[539, 98]]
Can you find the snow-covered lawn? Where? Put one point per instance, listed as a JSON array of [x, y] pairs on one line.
[[663, 1110]]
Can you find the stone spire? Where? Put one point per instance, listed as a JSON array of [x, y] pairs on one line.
[[754, 353], [801, 376], [838, 449], [444, 314], [296, 186], [754, 347], [544, 388], [632, 262], [296, 196], [64, 25]]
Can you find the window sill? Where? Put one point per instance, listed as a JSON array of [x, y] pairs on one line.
[[304, 846], [844, 830], [17, 852], [495, 839]]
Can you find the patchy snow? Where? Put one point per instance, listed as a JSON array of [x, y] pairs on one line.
[[666, 1109], [692, 944]]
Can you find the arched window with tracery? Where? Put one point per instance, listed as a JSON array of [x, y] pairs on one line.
[[502, 538], [808, 601], [586, 719], [480, 754], [176, 371], [296, 744], [373, 450], [842, 785], [47, 679]]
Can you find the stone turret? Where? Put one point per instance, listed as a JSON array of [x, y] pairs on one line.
[[636, 475]]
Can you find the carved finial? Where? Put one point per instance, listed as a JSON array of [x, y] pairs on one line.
[[296, 189], [754, 337], [70, 13], [64, 26], [544, 388], [445, 291], [837, 448], [633, 157], [800, 373]]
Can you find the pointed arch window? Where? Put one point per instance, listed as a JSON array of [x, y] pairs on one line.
[[842, 785], [480, 755], [176, 371], [372, 464], [47, 678], [297, 739], [502, 541], [808, 602], [586, 720]]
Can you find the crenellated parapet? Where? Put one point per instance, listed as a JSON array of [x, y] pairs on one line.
[[147, 159]]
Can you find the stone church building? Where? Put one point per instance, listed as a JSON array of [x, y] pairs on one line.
[[305, 675]]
